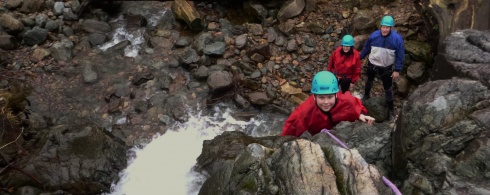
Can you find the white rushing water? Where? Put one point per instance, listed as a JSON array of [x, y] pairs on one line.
[[134, 36], [164, 165]]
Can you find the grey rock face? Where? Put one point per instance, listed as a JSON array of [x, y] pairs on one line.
[[87, 160], [376, 107], [296, 161], [466, 54], [442, 131], [239, 163], [468, 46]]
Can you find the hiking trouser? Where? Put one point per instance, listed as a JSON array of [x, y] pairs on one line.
[[344, 84], [385, 74]]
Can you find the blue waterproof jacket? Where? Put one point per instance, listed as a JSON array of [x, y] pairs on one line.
[[385, 51]]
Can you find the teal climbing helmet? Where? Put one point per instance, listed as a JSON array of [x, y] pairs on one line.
[[324, 82], [347, 40], [388, 21]]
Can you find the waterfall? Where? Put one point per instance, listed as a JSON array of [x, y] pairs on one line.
[[164, 165]]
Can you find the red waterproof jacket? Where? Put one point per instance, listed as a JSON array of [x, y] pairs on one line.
[[345, 65], [309, 117]]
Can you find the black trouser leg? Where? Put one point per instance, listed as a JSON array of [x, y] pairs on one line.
[[371, 73], [344, 84], [390, 105], [387, 80]]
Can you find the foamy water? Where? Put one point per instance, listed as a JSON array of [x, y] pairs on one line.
[[164, 165], [134, 36]]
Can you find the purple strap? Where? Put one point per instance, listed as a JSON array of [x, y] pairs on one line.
[[392, 186], [335, 138]]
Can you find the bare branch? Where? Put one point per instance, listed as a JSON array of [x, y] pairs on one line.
[[14, 141]]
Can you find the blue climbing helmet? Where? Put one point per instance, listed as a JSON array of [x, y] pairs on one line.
[[324, 82], [347, 40], [388, 21]]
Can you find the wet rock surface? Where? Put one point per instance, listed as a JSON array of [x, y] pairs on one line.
[[77, 160], [466, 54], [280, 165], [441, 140]]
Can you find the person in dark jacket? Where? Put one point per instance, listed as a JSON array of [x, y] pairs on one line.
[[345, 63], [325, 108], [386, 52]]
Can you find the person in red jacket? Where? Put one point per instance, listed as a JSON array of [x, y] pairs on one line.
[[325, 108], [345, 63]]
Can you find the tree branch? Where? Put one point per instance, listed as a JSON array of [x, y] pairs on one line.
[[14, 141]]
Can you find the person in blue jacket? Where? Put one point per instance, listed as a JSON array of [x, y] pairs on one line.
[[386, 53]]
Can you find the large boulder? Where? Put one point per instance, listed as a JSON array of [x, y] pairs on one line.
[[301, 168], [442, 142], [240, 164], [464, 53], [78, 161]]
